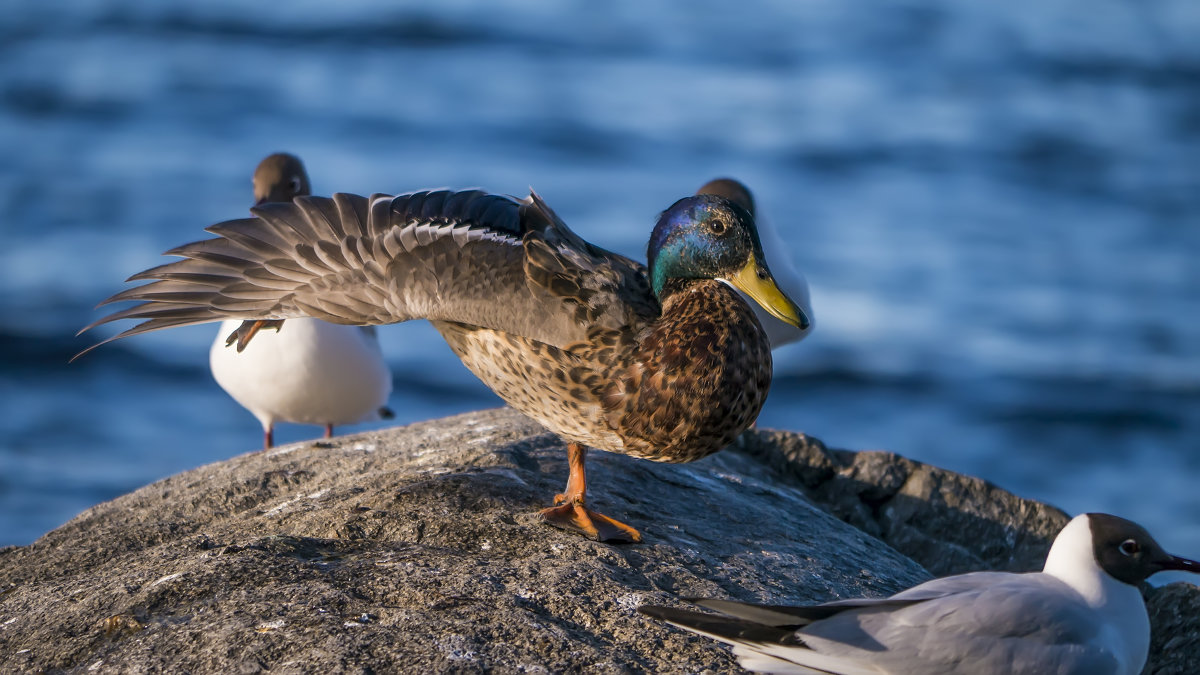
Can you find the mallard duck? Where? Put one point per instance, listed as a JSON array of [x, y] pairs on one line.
[[1083, 613], [790, 281], [665, 362], [312, 371]]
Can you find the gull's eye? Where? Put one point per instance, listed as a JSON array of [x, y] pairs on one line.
[[1129, 547]]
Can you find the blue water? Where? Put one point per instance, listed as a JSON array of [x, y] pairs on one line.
[[997, 206]]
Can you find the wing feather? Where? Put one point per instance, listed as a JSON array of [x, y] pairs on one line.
[[760, 647], [352, 216], [467, 257]]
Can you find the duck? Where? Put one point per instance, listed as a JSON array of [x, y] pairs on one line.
[[1083, 613], [312, 372], [790, 280], [664, 361]]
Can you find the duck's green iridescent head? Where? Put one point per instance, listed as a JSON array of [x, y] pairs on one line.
[[709, 237]]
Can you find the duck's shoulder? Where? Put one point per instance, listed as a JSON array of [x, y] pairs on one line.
[[602, 289]]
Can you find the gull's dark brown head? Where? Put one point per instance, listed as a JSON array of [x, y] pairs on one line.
[[279, 178]]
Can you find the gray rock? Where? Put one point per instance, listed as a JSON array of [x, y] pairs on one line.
[[418, 549], [1174, 629], [948, 522]]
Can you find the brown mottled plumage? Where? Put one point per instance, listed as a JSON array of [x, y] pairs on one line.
[[666, 363], [683, 391]]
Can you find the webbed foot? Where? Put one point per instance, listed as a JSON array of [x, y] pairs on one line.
[[569, 512], [575, 517]]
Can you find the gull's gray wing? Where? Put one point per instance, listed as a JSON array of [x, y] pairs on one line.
[[468, 257], [794, 617], [989, 623], [751, 642], [995, 622], [797, 616]]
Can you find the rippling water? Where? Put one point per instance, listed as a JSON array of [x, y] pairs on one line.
[[996, 206]]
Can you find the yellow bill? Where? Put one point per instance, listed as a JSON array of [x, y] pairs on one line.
[[763, 290]]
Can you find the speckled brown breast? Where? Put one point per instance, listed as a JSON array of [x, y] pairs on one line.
[[678, 390]]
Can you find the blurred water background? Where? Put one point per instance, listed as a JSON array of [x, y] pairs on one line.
[[997, 206]]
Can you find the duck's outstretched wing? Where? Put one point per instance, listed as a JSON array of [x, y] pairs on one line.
[[468, 257]]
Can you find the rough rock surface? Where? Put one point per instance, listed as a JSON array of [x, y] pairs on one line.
[[948, 522], [1174, 629], [418, 549]]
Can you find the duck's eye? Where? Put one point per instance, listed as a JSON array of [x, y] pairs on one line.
[[1129, 547], [294, 185], [717, 226]]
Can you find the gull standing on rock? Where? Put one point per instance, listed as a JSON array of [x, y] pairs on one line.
[[791, 282], [663, 361], [1082, 615], [308, 371]]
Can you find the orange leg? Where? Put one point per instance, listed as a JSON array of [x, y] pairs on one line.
[[269, 437], [249, 329], [569, 512], [328, 431]]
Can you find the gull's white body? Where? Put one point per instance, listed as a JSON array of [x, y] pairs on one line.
[[790, 282], [778, 260], [310, 372]]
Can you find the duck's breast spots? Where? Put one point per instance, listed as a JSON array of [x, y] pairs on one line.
[[702, 377]]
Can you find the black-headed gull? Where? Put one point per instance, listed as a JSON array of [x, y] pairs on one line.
[[306, 371], [1081, 614]]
